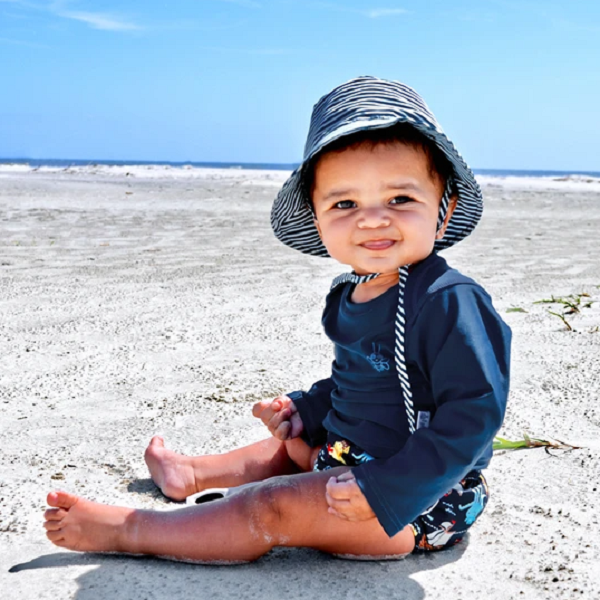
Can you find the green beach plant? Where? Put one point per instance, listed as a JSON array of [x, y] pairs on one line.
[[572, 304], [501, 443], [515, 309], [562, 318]]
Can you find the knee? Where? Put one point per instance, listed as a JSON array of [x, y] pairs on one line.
[[270, 508]]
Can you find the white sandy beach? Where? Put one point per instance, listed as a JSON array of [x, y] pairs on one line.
[[143, 300]]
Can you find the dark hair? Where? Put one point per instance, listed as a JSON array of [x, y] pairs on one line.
[[439, 165]]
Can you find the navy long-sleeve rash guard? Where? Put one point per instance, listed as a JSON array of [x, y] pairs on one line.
[[457, 352]]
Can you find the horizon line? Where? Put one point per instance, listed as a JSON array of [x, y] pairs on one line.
[[243, 164]]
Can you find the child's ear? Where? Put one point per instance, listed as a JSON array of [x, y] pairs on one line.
[[451, 206], [318, 227]]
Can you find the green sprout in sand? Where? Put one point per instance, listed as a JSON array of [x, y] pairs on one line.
[[515, 309], [572, 305], [501, 443]]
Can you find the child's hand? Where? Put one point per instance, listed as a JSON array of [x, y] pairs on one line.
[[280, 416], [346, 499]]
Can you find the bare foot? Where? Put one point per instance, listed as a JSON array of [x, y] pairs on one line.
[[85, 526], [173, 473]]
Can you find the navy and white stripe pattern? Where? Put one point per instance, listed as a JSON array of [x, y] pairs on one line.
[[399, 350], [353, 277], [444, 205], [362, 104]]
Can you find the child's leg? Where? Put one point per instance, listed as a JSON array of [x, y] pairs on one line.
[[283, 511], [179, 476]]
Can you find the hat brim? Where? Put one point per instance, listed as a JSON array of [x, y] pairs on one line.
[[293, 222]]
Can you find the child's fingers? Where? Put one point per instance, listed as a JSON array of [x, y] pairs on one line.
[[297, 425], [283, 431], [259, 408], [346, 476], [277, 419], [347, 499], [341, 490], [266, 409], [334, 512], [340, 506]]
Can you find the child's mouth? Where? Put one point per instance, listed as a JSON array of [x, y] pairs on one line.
[[378, 244]]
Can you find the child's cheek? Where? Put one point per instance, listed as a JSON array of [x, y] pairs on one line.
[[338, 252], [330, 240]]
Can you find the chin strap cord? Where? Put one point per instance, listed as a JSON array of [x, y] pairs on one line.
[[400, 324]]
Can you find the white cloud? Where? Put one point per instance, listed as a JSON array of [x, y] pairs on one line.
[[59, 8], [99, 21], [375, 13], [371, 13]]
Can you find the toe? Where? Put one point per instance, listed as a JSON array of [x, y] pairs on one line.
[[61, 500], [55, 514], [157, 442], [55, 536], [154, 449], [53, 525]]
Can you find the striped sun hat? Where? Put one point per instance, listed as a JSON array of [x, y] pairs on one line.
[[358, 105]]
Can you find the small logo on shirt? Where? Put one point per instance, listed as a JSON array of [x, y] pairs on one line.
[[377, 361]]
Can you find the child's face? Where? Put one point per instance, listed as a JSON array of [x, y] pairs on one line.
[[377, 207]]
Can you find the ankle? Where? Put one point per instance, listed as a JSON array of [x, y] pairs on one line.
[[128, 535], [200, 482], [205, 473]]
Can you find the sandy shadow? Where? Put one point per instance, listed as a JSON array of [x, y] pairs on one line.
[[146, 487], [284, 573], [57, 559]]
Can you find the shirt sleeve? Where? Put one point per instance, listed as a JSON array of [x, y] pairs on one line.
[[462, 347], [313, 407]]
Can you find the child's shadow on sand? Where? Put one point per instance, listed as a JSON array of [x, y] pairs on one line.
[[284, 573], [145, 487]]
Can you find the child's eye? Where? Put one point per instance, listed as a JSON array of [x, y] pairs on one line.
[[401, 200], [344, 204]]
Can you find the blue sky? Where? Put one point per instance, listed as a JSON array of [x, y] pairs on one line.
[[515, 84]]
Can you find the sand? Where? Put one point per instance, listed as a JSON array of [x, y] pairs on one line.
[[137, 301]]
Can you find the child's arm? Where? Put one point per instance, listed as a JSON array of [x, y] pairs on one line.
[[462, 347], [313, 406], [280, 416], [298, 413]]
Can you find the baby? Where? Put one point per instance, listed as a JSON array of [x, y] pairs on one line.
[[384, 457]]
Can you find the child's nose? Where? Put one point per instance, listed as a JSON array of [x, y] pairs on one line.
[[373, 217]]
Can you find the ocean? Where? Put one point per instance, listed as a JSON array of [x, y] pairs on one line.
[[51, 162]]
